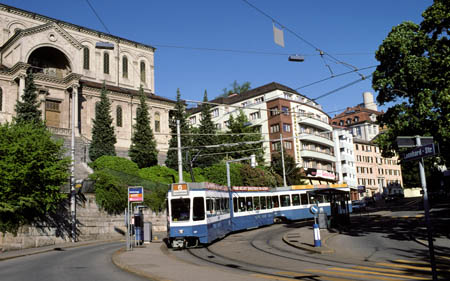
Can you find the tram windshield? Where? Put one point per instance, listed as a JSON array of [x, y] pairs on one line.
[[180, 209]]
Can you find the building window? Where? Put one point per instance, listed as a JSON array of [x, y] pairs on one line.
[[244, 104], [288, 145], [341, 123], [274, 111], [218, 126], [356, 119], [276, 146], [85, 57], [286, 127], [255, 115], [157, 122], [215, 112], [349, 121], [1, 99], [193, 120], [259, 100], [125, 67], [119, 116], [285, 110], [275, 128], [142, 71], [106, 63]]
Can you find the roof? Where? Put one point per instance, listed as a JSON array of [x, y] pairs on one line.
[[43, 18], [359, 111], [246, 95], [123, 90]]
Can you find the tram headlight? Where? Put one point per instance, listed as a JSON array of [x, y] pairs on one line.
[[181, 231]]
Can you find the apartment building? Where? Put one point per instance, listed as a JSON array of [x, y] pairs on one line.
[[283, 116], [375, 174]]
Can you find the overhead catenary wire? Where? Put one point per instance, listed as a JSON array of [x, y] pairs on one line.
[[300, 37], [343, 87]]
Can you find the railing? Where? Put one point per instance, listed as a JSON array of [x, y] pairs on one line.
[[319, 151], [318, 134], [60, 131], [312, 116]]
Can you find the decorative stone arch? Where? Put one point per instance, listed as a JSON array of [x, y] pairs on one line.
[[14, 25], [62, 59]]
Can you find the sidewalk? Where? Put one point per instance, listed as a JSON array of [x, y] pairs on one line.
[[303, 238]]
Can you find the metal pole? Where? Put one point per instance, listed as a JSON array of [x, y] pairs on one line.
[[282, 161], [427, 215], [180, 160], [72, 173]]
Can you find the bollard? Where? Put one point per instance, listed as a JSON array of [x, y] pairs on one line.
[[317, 242]]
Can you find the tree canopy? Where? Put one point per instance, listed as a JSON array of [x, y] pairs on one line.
[[143, 145], [32, 172], [103, 136], [414, 73], [236, 88]]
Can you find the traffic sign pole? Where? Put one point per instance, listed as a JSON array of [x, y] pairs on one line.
[[427, 213]]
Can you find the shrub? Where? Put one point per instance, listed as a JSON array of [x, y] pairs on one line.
[[115, 163]]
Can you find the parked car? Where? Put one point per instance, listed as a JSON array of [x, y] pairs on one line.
[[358, 206]]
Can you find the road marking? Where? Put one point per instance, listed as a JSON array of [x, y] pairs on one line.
[[378, 273], [350, 274], [379, 269], [443, 257], [404, 266], [298, 275], [272, 277], [412, 262]]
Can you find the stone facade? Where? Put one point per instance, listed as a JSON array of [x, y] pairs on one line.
[[94, 224], [70, 65]]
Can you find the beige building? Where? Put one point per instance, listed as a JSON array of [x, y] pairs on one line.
[[375, 174], [70, 64]]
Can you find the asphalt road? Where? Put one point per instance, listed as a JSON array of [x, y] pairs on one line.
[[85, 263]]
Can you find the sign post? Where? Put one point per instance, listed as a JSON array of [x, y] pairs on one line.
[[135, 194], [314, 209], [424, 147]]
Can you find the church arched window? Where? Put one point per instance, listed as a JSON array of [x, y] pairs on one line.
[[124, 67], [85, 57], [119, 116], [106, 63], [157, 122], [1, 99], [142, 71]]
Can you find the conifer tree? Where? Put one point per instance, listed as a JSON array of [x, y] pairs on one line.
[[27, 110], [179, 113], [240, 130], [206, 136], [143, 145], [103, 137]]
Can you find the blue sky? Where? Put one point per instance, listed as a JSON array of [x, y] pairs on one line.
[[350, 31]]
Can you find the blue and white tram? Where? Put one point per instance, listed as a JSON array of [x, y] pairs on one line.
[[205, 212]]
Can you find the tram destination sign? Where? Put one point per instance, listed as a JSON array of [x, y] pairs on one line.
[[420, 152], [180, 189]]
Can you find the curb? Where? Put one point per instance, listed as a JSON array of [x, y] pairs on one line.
[[36, 251], [116, 261], [320, 250]]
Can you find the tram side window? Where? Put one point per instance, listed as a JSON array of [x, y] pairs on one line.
[[249, 203], [269, 202], [210, 205], [312, 199], [295, 199], [285, 200], [199, 209], [242, 204], [275, 201], [304, 199], [262, 199], [235, 205], [256, 203], [226, 205], [217, 205], [320, 198], [180, 209]]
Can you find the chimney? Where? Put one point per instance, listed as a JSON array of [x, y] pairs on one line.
[[369, 102]]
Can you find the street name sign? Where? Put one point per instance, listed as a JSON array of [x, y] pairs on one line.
[[420, 152]]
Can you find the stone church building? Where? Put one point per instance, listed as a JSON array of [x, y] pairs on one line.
[[70, 65]]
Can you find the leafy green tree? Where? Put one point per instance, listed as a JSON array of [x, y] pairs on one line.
[[103, 137], [239, 131], [115, 163], [206, 136], [293, 173], [32, 172], [259, 177], [218, 174], [414, 73], [236, 88], [179, 113], [27, 110], [143, 145], [110, 191]]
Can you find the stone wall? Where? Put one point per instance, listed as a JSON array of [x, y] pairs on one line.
[[94, 225]]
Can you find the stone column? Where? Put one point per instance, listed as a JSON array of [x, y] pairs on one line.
[[21, 86], [77, 108]]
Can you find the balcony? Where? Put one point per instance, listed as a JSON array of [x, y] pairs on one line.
[[316, 138], [312, 120], [304, 153]]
